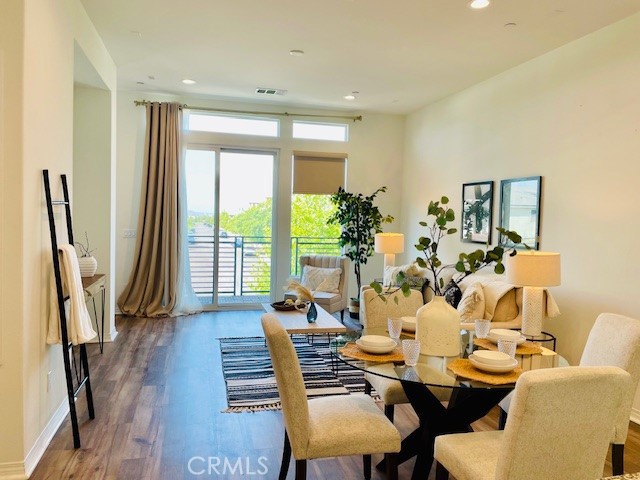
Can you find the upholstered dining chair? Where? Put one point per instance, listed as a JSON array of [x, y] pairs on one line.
[[374, 313], [614, 340], [329, 426], [559, 427]]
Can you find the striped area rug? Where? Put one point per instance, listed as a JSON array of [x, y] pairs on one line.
[[251, 384]]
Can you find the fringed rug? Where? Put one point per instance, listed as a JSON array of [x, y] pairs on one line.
[[251, 384]]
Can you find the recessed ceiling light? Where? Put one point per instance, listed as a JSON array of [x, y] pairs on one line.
[[351, 96], [188, 81], [478, 4], [140, 83], [510, 24], [296, 53]]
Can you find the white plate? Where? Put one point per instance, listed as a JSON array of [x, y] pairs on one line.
[[504, 333], [518, 340], [372, 349], [493, 368], [409, 324], [376, 341], [491, 357]]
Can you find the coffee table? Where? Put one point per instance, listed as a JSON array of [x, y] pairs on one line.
[[296, 322]]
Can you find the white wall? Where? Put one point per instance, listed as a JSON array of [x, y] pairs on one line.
[[572, 116], [36, 47], [374, 159]]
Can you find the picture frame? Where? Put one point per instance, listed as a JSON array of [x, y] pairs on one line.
[[520, 209], [477, 212]]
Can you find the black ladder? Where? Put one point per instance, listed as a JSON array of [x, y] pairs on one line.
[[81, 367]]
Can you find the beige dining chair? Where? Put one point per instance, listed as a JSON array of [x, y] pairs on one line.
[[614, 340], [325, 427], [374, 313], [559, 427]]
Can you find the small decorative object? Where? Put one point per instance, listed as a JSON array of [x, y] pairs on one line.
[[284, 306], [312, 313], [520, 205], [438, 328], [477, 206], [87, 262]]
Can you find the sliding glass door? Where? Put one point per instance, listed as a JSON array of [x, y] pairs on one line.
[[230, 217]]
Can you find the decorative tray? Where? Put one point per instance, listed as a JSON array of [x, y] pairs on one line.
[[283, 307]]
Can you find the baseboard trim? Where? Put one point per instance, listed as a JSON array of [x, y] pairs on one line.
[[44, 439], [635, 416], [12, 471]]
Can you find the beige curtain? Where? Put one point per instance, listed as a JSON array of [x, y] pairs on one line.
[[152, 287]]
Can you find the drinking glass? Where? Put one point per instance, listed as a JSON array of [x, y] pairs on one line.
[[508, 347], [411, 352], [482, 328], [394, 325]]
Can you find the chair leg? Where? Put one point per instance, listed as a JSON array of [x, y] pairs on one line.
[[342, 316], [391, 461], [301, 469], [286, 457], [366, 463], [367, 387], [617, 458], [388, 411], [441, 472], [502, 420]]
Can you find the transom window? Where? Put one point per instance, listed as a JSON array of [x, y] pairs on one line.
[[265, 127], [320, 131]]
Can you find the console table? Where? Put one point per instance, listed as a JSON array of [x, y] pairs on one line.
[[94, 286]]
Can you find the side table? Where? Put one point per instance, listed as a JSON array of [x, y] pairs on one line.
[[94, 286], [542, 338]]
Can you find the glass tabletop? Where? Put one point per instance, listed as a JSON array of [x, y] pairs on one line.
[[433, 371]]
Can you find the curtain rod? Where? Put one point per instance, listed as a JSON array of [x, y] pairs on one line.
[[250, 112]]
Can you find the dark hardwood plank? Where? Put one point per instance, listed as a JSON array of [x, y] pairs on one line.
[[159, 392]]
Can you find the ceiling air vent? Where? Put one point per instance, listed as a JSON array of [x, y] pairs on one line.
[[270, 91]]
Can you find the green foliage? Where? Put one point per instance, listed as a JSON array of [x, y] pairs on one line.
[[359, 220], [438, 228], [309, 214]]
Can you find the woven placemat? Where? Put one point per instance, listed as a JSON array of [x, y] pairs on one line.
[[526, 348], [352, 350], [463, 367]]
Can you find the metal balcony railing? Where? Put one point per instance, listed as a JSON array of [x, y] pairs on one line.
[[244, 266]]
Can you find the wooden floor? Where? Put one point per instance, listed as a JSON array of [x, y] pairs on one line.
[[159, 393]]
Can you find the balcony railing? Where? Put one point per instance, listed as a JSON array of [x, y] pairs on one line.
[[244, 265]]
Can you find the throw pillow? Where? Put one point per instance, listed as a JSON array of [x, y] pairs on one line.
[[419, 283], [506, 308], [452, 294], [471, 306], [313, 277]]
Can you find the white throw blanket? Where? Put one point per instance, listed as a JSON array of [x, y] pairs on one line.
[[79, 329]]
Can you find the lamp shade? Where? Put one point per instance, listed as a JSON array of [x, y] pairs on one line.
[[389, 243], [533, 269]]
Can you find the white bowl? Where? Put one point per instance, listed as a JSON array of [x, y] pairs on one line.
[[492, 368], [375, 349], [490, 357], [376, 341], [409, 324], [518, 340], [504, 333]]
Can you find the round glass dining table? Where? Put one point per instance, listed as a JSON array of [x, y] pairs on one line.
[[443, 401]]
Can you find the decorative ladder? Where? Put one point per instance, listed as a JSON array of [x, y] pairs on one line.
[[81, 368]]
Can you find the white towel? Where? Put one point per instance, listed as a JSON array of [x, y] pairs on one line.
[[79, 329]]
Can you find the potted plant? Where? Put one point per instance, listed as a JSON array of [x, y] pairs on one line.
[[360, 220], [87, 262]]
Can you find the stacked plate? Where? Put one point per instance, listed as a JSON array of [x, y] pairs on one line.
[[505, 334], [409, 324], [490, 361], [375, 344]]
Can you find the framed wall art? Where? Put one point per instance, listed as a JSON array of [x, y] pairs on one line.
[[520, 208], [477, 208]]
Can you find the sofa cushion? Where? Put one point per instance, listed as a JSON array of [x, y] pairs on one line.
[[452, 294], [471, 306], [500, 301], [328, 279]]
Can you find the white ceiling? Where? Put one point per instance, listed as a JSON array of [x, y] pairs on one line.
[[400, 55]]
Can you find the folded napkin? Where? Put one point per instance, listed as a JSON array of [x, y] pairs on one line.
[[79, 329]]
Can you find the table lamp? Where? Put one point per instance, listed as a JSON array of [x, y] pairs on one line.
[[389, 244], [534, 271]]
